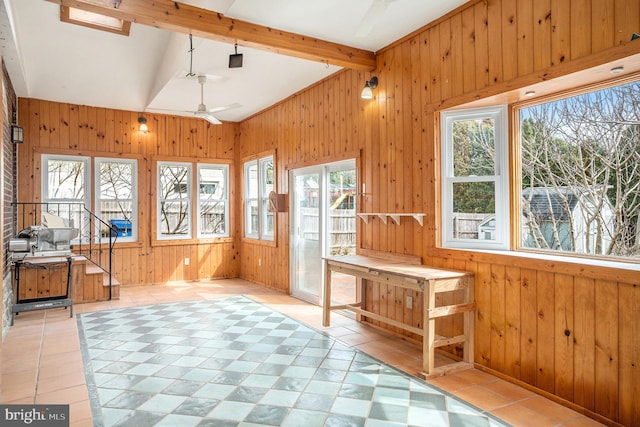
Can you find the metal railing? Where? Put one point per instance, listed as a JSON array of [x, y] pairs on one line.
[[96, 238]]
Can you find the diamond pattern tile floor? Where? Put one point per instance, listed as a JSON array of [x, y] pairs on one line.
[[235, 362]]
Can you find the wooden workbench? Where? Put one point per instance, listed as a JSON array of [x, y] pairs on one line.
[[415, 277]]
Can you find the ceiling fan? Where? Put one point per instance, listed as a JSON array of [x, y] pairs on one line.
[[201, 111], [372, 17], [208, 114]]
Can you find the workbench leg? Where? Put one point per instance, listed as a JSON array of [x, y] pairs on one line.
[[428, 350], [469, 323], [359, 296], [326, 299]]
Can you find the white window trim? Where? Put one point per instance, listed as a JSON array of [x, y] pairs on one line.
[[189, 198], [247, 200], [500, 179], [86, 201], [134, 193], [260, 199], [225, 199], [87, 180], [263, 198]]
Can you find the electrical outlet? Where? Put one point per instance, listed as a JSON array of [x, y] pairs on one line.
[[259, 262], [186, 261], [409, 303]]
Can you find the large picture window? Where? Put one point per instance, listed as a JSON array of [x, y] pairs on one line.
[[475, 180], [174, 195], [580, 174], [577, 191], [259, 181]]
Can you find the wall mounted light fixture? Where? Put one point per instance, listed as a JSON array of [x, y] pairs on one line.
[[143, 124], [17, 134], [369, 84]]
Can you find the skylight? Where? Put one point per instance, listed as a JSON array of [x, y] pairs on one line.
[[94, 20]]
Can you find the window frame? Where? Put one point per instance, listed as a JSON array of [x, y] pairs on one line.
[[261, 199], [515, 147], [500, 178], [85, 201], [225, 199], [189, 200], [134, 193]]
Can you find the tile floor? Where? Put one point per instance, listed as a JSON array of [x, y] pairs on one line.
[[41, 359], [238, 363]]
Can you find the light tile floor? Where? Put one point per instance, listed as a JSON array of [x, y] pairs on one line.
[[41, 360], [233, 361]]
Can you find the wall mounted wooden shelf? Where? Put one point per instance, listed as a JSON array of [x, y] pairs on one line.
[[395, 217]]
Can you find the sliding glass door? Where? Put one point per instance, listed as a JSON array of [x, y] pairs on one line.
[[323, 223]]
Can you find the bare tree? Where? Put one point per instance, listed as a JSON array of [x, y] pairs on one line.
[[585, 151], [174, 199]]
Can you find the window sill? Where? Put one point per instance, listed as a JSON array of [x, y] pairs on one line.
[[118, 244], [188, 242], [270, 243], [616, 270]]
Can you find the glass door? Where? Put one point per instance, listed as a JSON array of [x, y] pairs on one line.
[[323, 223], [306, 229]]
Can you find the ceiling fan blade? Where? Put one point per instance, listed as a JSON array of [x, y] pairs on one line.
[[372, 17], [208, 117], [224, 107], [211, 119]]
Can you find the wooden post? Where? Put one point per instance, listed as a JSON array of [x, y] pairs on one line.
[[359, 296], [326, 298], [429, 327], [469, 322]]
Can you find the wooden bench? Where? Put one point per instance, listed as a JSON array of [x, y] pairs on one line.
[[416, 277]]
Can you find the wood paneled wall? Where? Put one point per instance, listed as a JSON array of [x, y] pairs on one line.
[[68, 129], [567, 329]]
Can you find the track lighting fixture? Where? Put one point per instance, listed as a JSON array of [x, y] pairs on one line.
[[369, 84], [235, 60]]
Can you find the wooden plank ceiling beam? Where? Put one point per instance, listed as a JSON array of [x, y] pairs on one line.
[[184, 18]]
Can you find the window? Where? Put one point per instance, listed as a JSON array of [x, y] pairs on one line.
[[174, 194], [259, 179], [116, 196], [475, 180], [65, 188], [213, 203], [580, 176]]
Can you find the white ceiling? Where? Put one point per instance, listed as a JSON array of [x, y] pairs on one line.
[[52, 60]]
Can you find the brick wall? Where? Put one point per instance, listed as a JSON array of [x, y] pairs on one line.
[[9, 107]]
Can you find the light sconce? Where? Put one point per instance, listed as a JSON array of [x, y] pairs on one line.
[[369, 84], [17, 134], [235, 60], [143, 124]]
